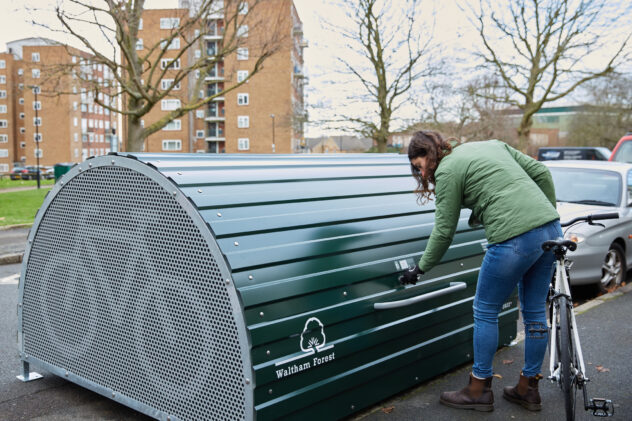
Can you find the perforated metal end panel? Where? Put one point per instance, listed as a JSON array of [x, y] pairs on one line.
[[121, 289]]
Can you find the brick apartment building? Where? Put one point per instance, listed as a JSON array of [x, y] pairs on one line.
[[268, 110], [44, 110]]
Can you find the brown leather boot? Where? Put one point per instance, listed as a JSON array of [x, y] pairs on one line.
[[476, 395], [525, 393]]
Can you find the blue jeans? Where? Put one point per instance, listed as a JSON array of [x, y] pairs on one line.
[[519, 260]]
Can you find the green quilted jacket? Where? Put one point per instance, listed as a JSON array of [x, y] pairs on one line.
[[508, 192]]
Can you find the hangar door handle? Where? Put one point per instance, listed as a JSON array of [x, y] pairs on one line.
[[454, 286]]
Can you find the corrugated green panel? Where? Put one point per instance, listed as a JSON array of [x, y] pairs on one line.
[[312, 243]]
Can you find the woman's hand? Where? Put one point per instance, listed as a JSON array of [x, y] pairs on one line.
[[410, 276]]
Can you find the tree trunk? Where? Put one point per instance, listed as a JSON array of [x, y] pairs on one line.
[[524, 131], [381, 141], [135, 137]]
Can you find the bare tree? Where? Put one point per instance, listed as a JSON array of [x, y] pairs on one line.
[[139, 70], [385, 53], [606, 115], [541, 49]]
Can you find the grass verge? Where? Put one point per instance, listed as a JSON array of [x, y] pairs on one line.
[[7, 183], [20, 207]]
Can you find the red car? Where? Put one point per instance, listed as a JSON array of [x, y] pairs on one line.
[[622, 152]]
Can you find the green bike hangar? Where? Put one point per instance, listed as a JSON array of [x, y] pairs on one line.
[[244, 287]]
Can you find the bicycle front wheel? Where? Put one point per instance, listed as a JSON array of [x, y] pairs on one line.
[[567, 359]]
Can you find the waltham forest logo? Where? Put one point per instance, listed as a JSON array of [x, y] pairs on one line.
[[315, 350]]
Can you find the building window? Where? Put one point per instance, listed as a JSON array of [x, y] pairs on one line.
[[35, 57], [166, 83], [37, 137], [169, 104], [170, 63], [243, 8], [173, 125], [173, 45], [76, 137], [4, 167], [74, 105], [3, 64], [37, 121], [4, 123], [35, 73], [169, 23], [38, 153], [199, 134], [242, 99], [21, 101], [37, 105], [4, 138], [3, 94], [4, 153], [242, 75], [20, 72], [242, 53], [22, 145], [76, 153], [243, 121], [37, 90], [22, 130], [3, 79], [171, 145], [140, 24], [198, 53], [139, 44], [21, 116], [3, 109], [242, 31], [199, 113], [243, 144]]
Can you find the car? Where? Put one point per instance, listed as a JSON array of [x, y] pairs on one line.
[[573, 152], [596, 187], [622, 151], [16, 173]]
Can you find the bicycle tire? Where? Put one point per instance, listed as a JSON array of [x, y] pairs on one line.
[[567, 359]]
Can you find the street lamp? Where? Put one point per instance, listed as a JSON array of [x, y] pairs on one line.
[[37, 139], [273, 145]]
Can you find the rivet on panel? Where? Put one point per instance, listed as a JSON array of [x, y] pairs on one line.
[[268, 352], [66, 373], [113, 394], [112, 162], [467, 355], [179, 173], [261, 314], [79, 169], [175, 192], [247, 381], [352, 407], [90, 164], [219, 214], [344, 293], [251, 277], [199, 190], [269, 391], [20, 305], [227, 281], [416, 379], [462, 264], [236, 243]]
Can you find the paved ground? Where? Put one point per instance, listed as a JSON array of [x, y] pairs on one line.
[[13, 240], [605, 331]]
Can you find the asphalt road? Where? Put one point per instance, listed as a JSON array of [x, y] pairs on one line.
[[606, 335], [13, 240]]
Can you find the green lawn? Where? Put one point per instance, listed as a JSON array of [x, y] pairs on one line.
[[7, 183], [20, 207]]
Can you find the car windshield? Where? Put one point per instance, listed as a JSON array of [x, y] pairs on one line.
[[587, 186], [624, 153]]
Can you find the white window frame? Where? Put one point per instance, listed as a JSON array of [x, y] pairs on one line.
[[242, 75], [173, 125], [36, 90], [170, 104], [243, 121], [21, 115], [173, 45], [199, 134], [3, 64], [35, 73], [3, 79], [169, 23], [166, 83], [242, 53], [4, 138], [242, 31], [22, 145], [3, 109], [139, 44], [4, 123], [140, 24], [199, 113], [243, 144], [35, 57], [173, 64], [37, 105], [3, 94], [243, 99], [22, 130], [4, 153], [20, 72], [4, 168], [38, 153], [37, 137], [172, 145], [243, 8], [21, 101]]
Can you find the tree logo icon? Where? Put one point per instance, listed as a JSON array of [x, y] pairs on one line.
[[313, 336]]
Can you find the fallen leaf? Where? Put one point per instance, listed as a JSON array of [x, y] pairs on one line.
[[575, 304], [601, 369], [507, 362], [388, 409], [623, 283], [498, 376]]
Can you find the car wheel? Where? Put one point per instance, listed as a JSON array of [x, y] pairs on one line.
[[613, 269]]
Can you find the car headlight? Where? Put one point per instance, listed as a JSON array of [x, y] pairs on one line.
[[575, 237]]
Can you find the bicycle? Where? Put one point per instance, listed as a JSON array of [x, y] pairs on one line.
[[566, 358]]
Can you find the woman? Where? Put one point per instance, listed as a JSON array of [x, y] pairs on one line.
[[513, 196]]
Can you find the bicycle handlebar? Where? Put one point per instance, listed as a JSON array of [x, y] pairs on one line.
[[591, 218]]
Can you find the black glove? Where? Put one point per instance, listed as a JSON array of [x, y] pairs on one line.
[[410, 276]]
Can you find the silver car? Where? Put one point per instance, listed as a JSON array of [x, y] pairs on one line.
[[594, 187]]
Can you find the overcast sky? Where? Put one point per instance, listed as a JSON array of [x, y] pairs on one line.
[[452, 30]]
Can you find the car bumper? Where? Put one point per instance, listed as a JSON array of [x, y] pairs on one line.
[[587, 262]]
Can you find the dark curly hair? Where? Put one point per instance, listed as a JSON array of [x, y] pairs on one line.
[[432, 145]]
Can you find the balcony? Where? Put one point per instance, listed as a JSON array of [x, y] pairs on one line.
[[215, 76], [215, 135], [214, 115]]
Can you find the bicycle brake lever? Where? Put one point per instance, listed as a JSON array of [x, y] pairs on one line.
[[596, 223]]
